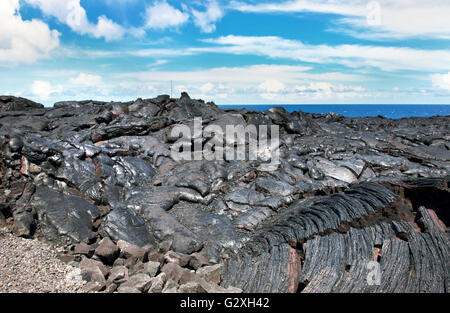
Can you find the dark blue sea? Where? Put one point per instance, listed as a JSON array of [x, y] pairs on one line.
[[359, 110]]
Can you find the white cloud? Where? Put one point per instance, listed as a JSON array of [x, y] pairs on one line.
[[43, 90], [23, 41], [159, 52], [412, 18], [179, 89], [249, 84], [162, 15], [206, 88], [328, 90], [271, 85], [364, 58], [151, 88], [243, 75], [441, 81], [108, 29], [119, 2], [271, 88], [74, 15], [215, 91], [136, 32], [382, 57], [86, 80], [206, 20], [257, 84], [397, 19], [324, 6]]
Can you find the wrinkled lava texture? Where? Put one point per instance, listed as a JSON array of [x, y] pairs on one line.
[[348, 191]]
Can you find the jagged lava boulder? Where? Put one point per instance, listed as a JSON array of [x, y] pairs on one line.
[[99, 179]]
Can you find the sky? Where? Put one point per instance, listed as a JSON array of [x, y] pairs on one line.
[[229, 52]]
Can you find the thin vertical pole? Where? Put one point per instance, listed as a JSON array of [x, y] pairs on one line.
[[170, 89]]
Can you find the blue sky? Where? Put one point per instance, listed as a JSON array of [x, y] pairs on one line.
[[229, 52]]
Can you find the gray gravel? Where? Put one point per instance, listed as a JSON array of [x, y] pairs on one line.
[[32, 266]]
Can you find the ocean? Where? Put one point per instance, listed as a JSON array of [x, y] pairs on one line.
[[359, 110]]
